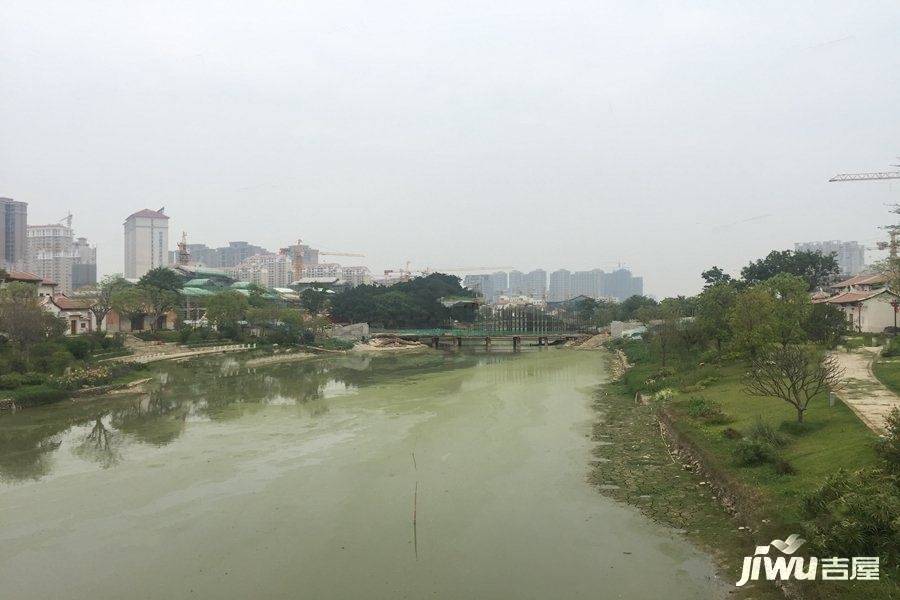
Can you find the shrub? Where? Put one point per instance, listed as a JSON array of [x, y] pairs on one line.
[[892, 348], [749, 453], [663, 394], [889, 446], [11, 381], [855, 514], [706, 410], [731, 433], [783, 467], [79, 378], [78, 347], [335, 344], [763, 432], [37, 395], [33, 378]]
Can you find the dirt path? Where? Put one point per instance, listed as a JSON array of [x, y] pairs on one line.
[[863, 393]]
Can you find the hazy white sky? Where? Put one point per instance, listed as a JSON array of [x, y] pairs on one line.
[[669, 136]]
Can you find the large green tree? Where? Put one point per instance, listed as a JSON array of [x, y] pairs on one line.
[[413, 303], [751, 321], [790, 308], [714, 276], [226, 309], [162, 278], [814, 268], [713, 307]]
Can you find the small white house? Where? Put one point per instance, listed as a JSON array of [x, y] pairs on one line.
[[76, 312], [867, 311]]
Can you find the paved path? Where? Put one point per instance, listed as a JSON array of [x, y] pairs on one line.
[[863, 393]]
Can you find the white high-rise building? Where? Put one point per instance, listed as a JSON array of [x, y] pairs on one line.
[[146, 242], [50, 254], [850, 256], [268, 270]]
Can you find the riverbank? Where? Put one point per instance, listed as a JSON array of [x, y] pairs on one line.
[[666, 444]]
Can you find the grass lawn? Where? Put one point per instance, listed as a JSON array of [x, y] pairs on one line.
[[833, 438], [887, 370]]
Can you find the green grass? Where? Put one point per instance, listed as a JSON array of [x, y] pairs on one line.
[[887, 370], [833, 438]]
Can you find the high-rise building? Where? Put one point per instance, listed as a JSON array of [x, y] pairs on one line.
[[355, 276], [560, 286], [13, 247], [587, 283], [621, 284], [850, 256], [236, 253], [84, 265], [323, 270], [500, 280], [268, 270], [219, 258], [50, 254], [146, 242], [516, 283], [536, 284]]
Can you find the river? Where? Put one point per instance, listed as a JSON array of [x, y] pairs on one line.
[[303, 480]]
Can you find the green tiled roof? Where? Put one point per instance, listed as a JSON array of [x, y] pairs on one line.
[[197, 283], [195, 292]]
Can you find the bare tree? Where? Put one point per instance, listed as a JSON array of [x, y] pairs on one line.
[[792, 373], [101, 303]]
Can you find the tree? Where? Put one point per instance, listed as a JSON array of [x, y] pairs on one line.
[[751, 321], [159, 301], [162, 278], [792, 373], [629, 307], [130, 302], [714, 276], [23, 319], [414, 303], [814, 267], [101, 304], [313, 300], [713, 306], [790, 309], [226, 309], [826, 324], [669, 331]]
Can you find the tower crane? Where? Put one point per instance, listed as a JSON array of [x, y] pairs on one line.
[[893, 230], [865, 176], [353, 254]]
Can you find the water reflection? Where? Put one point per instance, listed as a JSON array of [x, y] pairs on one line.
[[101, 432], [101, 445]]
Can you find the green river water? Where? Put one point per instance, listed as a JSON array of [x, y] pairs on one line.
[[301, 480]]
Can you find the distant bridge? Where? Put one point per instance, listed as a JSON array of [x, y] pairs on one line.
[[479, 337]]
